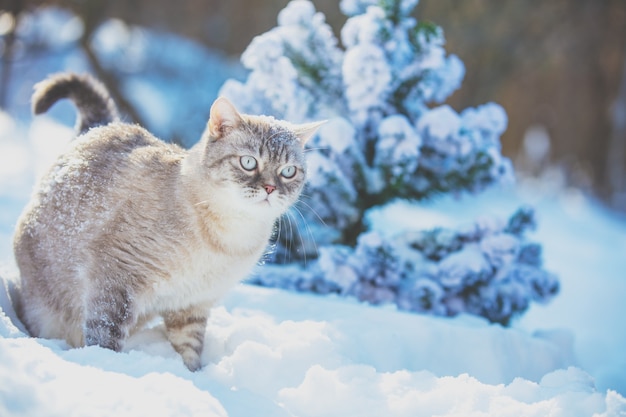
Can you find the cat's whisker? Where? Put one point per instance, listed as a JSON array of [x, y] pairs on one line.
[[283, 228], [312, 211], [303, 238], [281, 220], [309, 234], [299, 235], [286, 253], [291, 234]]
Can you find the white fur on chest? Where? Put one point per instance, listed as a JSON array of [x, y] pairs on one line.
[[202, 281], [205, 274], [224, 247]]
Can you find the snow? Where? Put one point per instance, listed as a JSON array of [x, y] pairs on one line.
[[440, 123], [301, 40], [398, 146], [270, 352], [274, 353], [583, 244]]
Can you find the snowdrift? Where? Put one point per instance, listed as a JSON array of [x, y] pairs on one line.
[[273, 353]]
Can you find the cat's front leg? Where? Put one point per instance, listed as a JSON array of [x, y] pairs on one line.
[[185, 331], [108, 318]]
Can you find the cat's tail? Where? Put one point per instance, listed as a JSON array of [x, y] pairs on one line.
[[94, 103]]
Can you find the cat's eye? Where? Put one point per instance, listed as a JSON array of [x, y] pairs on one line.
[[248, 163], [288, 172]]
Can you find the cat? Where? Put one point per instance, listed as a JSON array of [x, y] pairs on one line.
[[125, 227]]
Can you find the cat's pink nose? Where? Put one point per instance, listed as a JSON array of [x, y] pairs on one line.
[[269, 188]]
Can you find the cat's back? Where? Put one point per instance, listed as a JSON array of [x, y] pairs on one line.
[[124, 148], [104, 167], [113, 158]]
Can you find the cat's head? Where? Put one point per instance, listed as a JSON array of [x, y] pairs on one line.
[[256, 163]]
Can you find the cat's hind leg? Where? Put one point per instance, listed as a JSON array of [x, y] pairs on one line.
[[185, 331], [109, 318]]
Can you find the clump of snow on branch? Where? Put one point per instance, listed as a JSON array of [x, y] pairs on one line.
[[489, 269], [295, 68]]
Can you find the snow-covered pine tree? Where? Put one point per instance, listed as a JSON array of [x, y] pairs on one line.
[[388, 137]]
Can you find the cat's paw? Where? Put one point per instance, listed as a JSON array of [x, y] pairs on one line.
[[192, 361], [185, 331]]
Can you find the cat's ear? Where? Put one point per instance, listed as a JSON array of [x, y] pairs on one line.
[[224, 117], [304, 132]]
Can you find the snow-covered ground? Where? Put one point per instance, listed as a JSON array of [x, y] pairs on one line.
[[274, 353]]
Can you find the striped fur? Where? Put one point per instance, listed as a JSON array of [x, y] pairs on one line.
[[96, 107]]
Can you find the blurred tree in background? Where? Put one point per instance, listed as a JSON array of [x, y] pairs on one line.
[[556, 67], [557, 64]]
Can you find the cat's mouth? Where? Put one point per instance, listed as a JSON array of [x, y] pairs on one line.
[[268, 201], [260, 200]]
